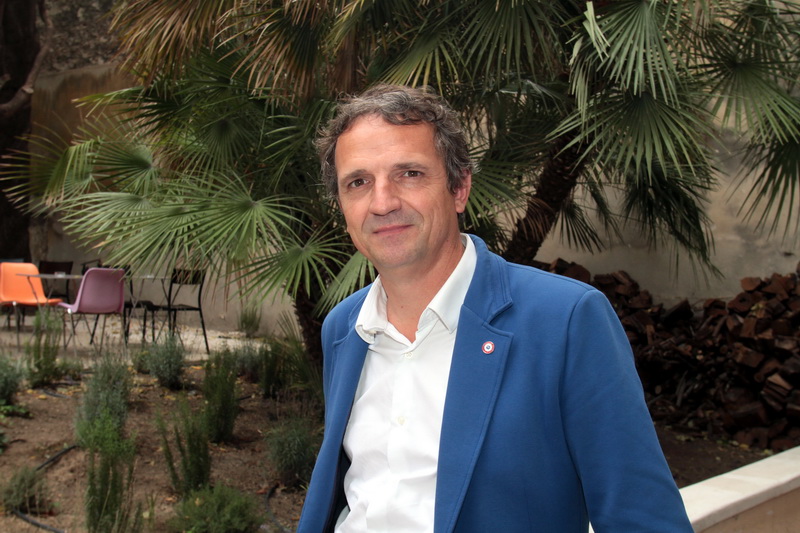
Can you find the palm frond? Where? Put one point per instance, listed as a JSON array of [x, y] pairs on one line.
[[299, 265], [774, 195], [157, 37], [357, 272], [576, 229], [669, 208], [637, 133]]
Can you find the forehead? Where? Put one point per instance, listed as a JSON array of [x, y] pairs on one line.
[[373, 136]]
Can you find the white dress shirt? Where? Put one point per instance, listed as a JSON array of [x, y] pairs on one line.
[[392, 436]]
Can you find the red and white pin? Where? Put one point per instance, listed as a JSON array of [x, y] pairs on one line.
[[488, 347]]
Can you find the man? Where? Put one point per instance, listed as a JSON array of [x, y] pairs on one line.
[[464, 393]]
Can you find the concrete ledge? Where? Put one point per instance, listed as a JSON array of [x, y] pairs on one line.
[[757, 498]]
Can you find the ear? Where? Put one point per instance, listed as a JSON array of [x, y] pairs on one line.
[[461, 195]]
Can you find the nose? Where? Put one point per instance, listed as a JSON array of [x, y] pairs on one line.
[[384, 199]]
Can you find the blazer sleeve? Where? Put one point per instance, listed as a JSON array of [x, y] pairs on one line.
[[626, 482]]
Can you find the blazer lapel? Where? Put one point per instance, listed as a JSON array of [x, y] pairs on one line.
[[479, 360], [349, 360]]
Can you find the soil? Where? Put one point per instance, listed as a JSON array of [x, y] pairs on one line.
[[692, 455]]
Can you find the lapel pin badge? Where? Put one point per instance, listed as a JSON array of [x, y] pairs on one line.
[[488, 347]]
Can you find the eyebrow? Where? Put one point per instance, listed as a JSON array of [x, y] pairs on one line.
[[360, 172]]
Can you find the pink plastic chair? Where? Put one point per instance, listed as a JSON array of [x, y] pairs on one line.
[[102, 292]]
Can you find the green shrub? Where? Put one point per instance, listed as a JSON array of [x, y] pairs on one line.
[[249, 360], [139, 360], [107, 392], [219, 390], [42, 350], [10, 378], [276, 368], [109, 504], [191, 440], [219, 509], [292, 449], [250, 319], [287, 368], [166, 361], [26, 492]]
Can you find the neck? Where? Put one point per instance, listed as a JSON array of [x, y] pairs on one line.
[[409, 293]]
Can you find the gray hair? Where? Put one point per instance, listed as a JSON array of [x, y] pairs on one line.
[[401, 106]]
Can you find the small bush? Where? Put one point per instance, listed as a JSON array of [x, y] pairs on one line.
[[250, 319], [166, 361], [107, 392], [292, 449], [219, 390], [276, 368], [70, 369], [139, 360], [26, 492], [249, 360], [10, 378], [109, 504], [287, 368], [191, 440], [220, 509], [42, 350]]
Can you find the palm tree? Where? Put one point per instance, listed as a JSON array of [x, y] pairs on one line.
[[584, 116]]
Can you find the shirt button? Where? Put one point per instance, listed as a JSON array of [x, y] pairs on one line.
[[401, 420], [408, 355]]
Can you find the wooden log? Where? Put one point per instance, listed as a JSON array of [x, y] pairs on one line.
[[682, 311], [578, 272], [748, 330], [750, 284], [747, 356], [743, 302], [749, 415], [790, 370]]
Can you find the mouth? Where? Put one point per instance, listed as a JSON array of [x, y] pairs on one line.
[[394, 229]]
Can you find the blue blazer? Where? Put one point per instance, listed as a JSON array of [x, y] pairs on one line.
[[546, 432]]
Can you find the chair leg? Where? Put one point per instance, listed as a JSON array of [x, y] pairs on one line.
[[17, 317], [96, 320], [203, 325], [124, 328], [64, 328], [144, 326]]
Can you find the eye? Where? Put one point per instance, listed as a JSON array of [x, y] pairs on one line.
[[412, 174], [356, 183]]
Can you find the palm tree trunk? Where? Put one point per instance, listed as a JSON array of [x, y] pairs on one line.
[[310, 326], [556, 183]]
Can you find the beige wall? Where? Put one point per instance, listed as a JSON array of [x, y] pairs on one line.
[[741, 250]]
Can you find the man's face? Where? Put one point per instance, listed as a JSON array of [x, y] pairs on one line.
[[394, 196]]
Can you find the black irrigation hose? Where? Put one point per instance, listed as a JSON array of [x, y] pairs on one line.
[[56, 457], [269, 512], [31, 521], [19, 514], [53, 393]]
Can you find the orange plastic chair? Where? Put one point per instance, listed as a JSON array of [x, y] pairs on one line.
[[20, 292]]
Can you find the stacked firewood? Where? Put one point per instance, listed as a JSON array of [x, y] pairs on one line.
[[716, 366]]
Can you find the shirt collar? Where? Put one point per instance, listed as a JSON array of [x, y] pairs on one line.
[[446, 305]]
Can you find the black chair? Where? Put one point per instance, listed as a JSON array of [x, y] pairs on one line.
[[54, 267], [180, 278]]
